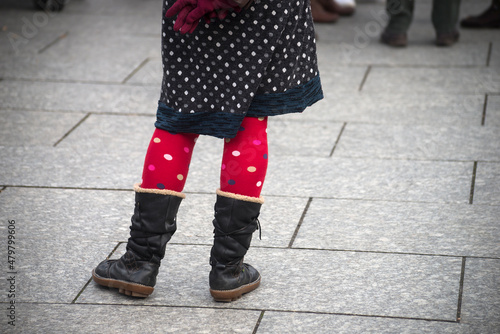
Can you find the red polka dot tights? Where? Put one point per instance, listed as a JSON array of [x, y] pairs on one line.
[[244, 161]]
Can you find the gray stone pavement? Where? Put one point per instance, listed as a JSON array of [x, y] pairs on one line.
[[382, 209]]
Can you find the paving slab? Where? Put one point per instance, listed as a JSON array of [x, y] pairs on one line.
[[70, 318], [13, 44], [53, 220], [435, 80], [368, 51], [109, 58], [420, 142], [150, 73], [487, 184], [352, 283], [340, 79], [286, 322], [493, 111], [410, 109], [28, 128], [278, 219], [371, 179], [68, 167], [418, 228], [481, 296], [79, 97]]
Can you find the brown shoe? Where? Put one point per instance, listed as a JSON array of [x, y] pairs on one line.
[[488, 19], [320, 14], [447, 38], [333, 7], [394, 39]]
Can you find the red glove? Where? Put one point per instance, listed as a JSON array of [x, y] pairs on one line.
[[189, 12]]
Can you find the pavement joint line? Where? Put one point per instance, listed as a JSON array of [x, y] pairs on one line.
[[275, 196], [90, 279], [82, 82], [473, 182], [72, 129], [256, 328], [58, 38], [383, 252], [338, 139], [485, 107], [299, 224], [215, 307], [488, 57], [461, 290], [241, 309], [135, 70], [332, 250], [367, 72], [410, 159], [419, 66], [81, 291]]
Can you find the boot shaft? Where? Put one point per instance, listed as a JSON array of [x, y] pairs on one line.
[[153, 223], [234, 222]]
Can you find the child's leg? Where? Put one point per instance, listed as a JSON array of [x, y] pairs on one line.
[[167, 160], [244, 161]]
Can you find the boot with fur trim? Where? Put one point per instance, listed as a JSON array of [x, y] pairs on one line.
[[153, 224], [234, 223]]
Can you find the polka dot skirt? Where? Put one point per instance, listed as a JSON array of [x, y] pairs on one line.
[[259, 62]]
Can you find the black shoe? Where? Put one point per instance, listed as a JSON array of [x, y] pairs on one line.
[[394, 39], [230, 282], [153, 224], [447, 39], [130, 274], [488, 19]]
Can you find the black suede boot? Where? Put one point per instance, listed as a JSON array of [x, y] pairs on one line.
[[153, 224], [235, 221]]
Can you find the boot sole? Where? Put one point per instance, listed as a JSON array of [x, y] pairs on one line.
[[232, 295], [127, 288]]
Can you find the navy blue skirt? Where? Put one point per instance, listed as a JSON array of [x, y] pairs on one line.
[[259, 62]]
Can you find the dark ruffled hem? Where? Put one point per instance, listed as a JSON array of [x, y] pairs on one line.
[[217, 124], [226, 125], [293, 100]]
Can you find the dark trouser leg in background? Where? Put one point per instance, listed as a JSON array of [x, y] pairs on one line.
[[445, 19], [400, 16]]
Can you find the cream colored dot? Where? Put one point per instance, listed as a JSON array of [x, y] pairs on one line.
[[228, 140], [261, 118], [236, 153], [168, 157], [157, 140], [251, 169], [180, 177]]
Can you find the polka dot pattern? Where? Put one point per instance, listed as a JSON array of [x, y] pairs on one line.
[[266, 49], [244, 161], [167, 160]]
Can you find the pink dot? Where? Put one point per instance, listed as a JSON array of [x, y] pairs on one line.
[[223, 167], [151, 167], [257, 142], [186, 149]]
